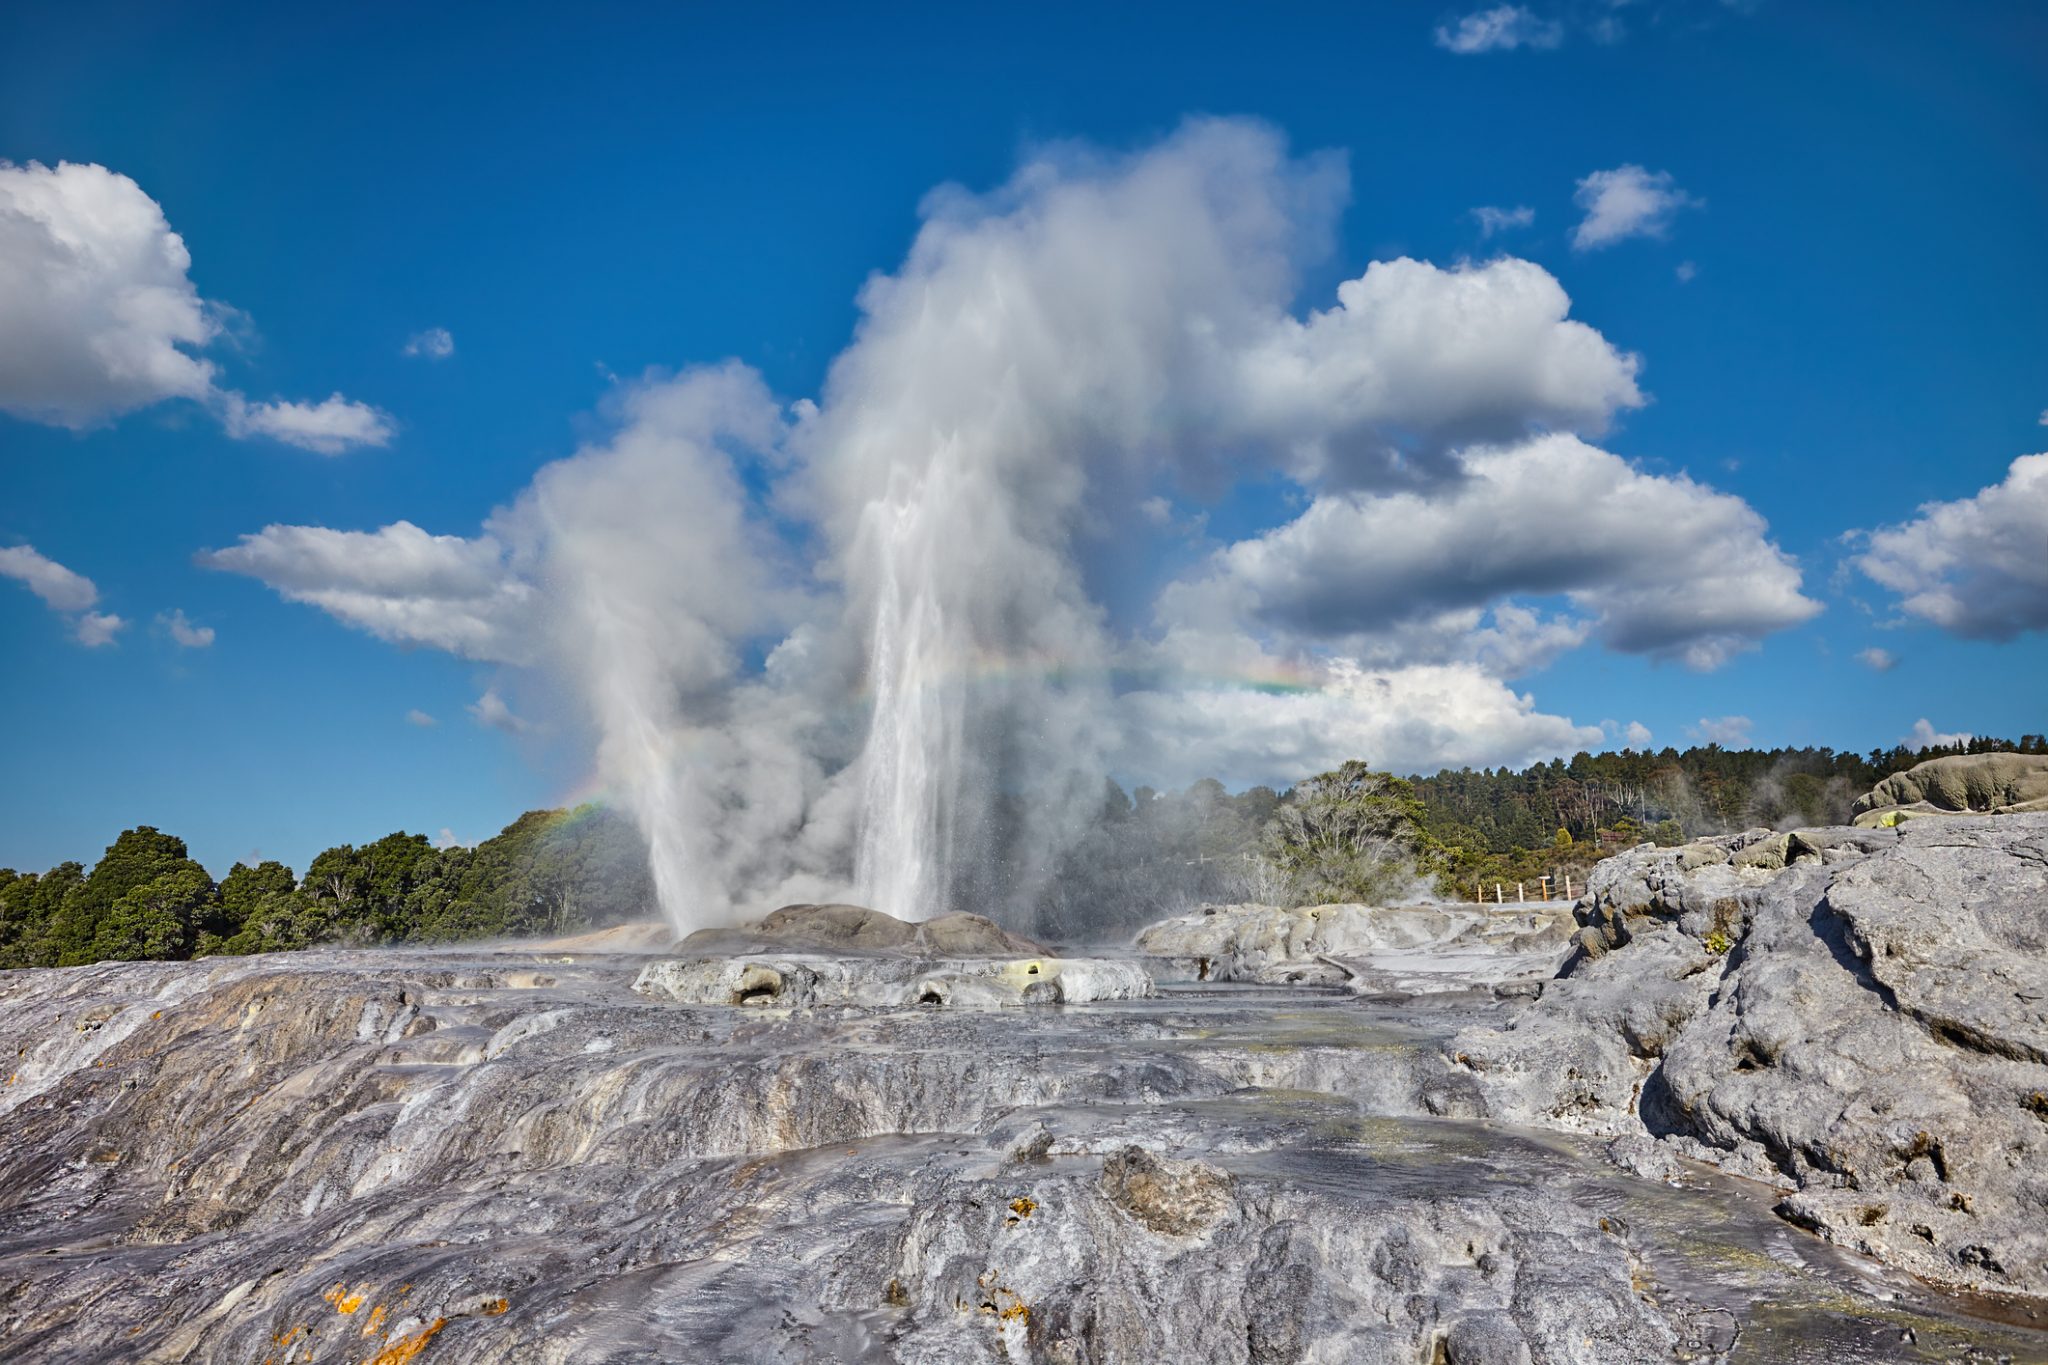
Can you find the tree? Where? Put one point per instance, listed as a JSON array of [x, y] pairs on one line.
[[1348, 835], [260, 910], [157, 921], [138, 858]]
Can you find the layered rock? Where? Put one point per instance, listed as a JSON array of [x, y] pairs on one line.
[[807, 982], [470, 1156], [1367, 948], [857, 929], [1857, 1016], [1960, 784]]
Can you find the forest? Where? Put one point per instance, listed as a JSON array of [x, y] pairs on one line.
[[1352, 834]]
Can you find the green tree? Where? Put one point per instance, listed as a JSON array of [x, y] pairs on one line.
[[136, 859], [157, 921], [1348, 835]]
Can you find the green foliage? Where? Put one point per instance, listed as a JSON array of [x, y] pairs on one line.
[[1348, 835], [548, 872]]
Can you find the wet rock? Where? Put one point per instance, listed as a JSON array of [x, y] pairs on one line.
[[1172, 1198], [844, 929], [473, 1156], [1368, 949], [890, 982]]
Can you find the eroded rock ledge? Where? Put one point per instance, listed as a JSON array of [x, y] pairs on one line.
[[1857, 1016]]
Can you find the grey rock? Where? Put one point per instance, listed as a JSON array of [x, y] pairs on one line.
[[484, 1156], [856, 929], [1378, 950], [1866, 1027]]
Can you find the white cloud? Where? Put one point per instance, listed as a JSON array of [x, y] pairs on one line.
[[1730, 732], [63, 591], [2044, 417], [330, 427], [1421, 358], [1500, 29], [1976, 567], [97, 628], [1637, 734], [1625, 202], [492, 711], [1492, 220], [1877, 659], [182, 631], [1925, 736], [1664, 566], [448, 839], [436, 343], [59, 587], [1156, 510], [1687, 272], [398, 583], [102, 317], [419, 718], [1412, 719]]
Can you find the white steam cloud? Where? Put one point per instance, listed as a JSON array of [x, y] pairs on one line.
[[888, 642]]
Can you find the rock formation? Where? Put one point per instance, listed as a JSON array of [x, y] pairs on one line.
[[1960, 784], [1368, 949], [566, 1155], [1858, 1017]]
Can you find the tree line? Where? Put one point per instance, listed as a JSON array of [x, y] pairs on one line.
[[1353, 834], [549, 872]]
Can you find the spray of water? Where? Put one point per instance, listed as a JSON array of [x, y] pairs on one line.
[[860, 647]]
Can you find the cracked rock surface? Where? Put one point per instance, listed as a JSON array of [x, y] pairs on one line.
[[515, 1155], [1858, 1017]]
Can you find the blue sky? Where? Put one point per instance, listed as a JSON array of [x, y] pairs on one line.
[[581, 193]]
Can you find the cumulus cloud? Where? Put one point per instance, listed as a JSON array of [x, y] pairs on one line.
[[420, 718], [494, 712], [436, 343], [1976, 567], [63, 591], [183, 632], [1877, 659], [1417, 357], [1925, 736], [1663, 565], [59, 587], [398, 583], [1500, 29], [1625, 202], [1492, 220], [1730, 732], [1637, 734], [95, 628], [448, 839], [332, 426], [102, 317], [1410, 719]]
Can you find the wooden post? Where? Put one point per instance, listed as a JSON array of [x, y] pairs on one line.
[[1521, 894], [1543, 883], [1568, 887], [1496, 893]]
